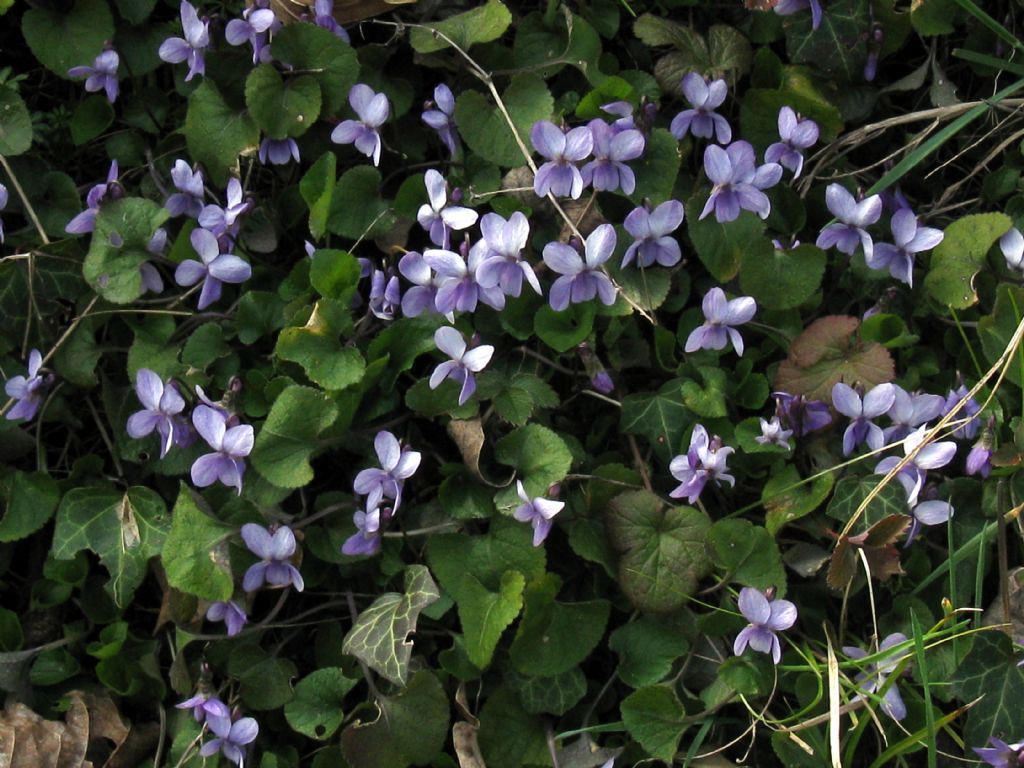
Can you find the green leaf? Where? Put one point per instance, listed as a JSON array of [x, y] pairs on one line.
[[660, 417], [484, 128], [77, 360], [722, 247], [647, 649], [317, 709], [259, 314], [611, 89], [554, 695], [264, 676], [517, 397], [485, 615], [707, 401], [509, 736], [65, 38], [748, 554], [204, 346], [836, 46], [380, 636], [961, 255], [759, 111], [655, 717], [195, 557], [330, 59], [648, 288], [889, 330], [216, 134], [135, 11], [288, 437], [15, 122], [29, 502], [662, 550], [657, 31], [933, 17], [317, 189], [850, 494], [780, 279], [480, 25], [990, 671], [656, 172], [93, 116], [564, 330], [357, 208], [334, 274], [997, 329], [540, 457], [281, 108], [118, 248], [784, 504], [567, 39], [124, 529], [317, 348]]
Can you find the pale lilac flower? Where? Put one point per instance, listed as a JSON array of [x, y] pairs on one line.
[[231, 738], [215, 269], [230, 447], [561, 149], [801, 415], [873, 678], [934, 512], [971, 409], [366, 540], [848, 402], [738, 182], [787, 7], [459, 289], [704, 460], [910, 239], [190, 195], [397, 464], [372, 109], [853, 217], [3, 204], [230, 613], [253, 28], [608, 170], [175, 50], [421, 296], [102, 75], [767, 616], [797, 134], [323, 16], [499, 258], [275, 551], [206, 707], [772, 433], [99, 194], [463, 364], [278, 151], [582, 277], [28, 391], [437, 217], [720, 317], [161, 405], [910, 411], [1001, 754], [385, 294], [623, 110], [442, 119], [1012, 246], [538, 512], [651, 231], [912, 476], [702, 120], [225, 221]]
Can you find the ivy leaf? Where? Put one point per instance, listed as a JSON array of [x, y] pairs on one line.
[[961, 255], [195, 557], [554, 695], [29, 502], [990, 671], [479, 25], [655, 717], [662, 550], [118, 248], [379, 636], [215, 133], [539, 456], [748, 554], [647, 649], [330, 59], [850, 494], [281, 108], [785, 504], [124, 529], [288, 437], [723, 247], [484, 128], [15, 123], [317, 189], [660, 417], [316, 711], [782, 279], [65, 38], [837, 44], [485, 615]]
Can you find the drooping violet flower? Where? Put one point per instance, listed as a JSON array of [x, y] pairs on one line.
[[602, 382], [99, 194], [702, 120], [161, 405], [608, 170], [772, 433], [230, 613], [102, 75], [913, 474], [767, 615], [874, 676], [704, 460], [738, 182], [1012, 246], [854, 217], [910, 411], [372, 109], [397, 464], [440, 115], [581, 276], [875, 38], [231, 738], [559, 175], [801, 415], [190, 196], [933, 512], [848, 402], [538, 512], [970, 411], [206, 707], [175, 50], [367, 539], [652, 230], [979, 460], [498, 254], [3, 204], [323, 16], [437, 217], [230, 447], [1001, 754], [257, 20], [421, 296], [720, 318], [28, 391], [463, 364], [910, 239], [225, 221], [278, 151], [787, 7], [623, 110], [797, 134], [215, 269], [275, 551]]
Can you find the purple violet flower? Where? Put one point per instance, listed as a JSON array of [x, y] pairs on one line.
[[323, 16], [422, 295], [910, 411], [853, 217], [99, 194], [151, 280], [539, 512], [1001, 754], [206, 708], [623, 110], [602, 382], [372, 109], [230, 613], [561, 149], [704, 460], [397, 464], [463, 363], [458, 286], [102, 75], [442, 118], [702, 120], [910, 239], [190, 195], [651, 231], [969, 429], [175, 50], [801, 415], [367, 539], [772, 433], [581, 276], [912, 476], [3, 204], [797, 134], [385, 294], [979, 460], [787, 7], [28, 391], [225, 221], [230, 447], [275, 551], [231, 738], [767, 615], [738, 181], [437, 217], [1012, 246], [873, 678], [278, 151], [720, 317], [848, 402], [257, 20], [608, 170], [498, 254], [161, 406], [933, 512], [215, 269]]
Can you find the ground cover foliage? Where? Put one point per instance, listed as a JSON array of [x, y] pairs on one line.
[[511, 384]]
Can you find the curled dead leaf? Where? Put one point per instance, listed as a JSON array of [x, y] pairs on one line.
[[466, 747]]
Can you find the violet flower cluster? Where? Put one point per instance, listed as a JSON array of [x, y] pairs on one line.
[[701, 119], [739, 183], [232, 734], [192, 47], [258, 22]]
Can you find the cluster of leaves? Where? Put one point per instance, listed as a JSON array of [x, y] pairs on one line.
[[458, 639]]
